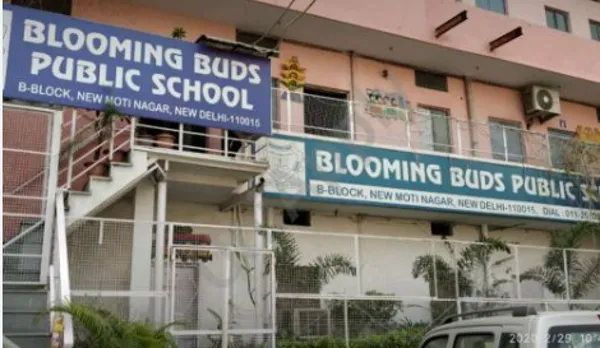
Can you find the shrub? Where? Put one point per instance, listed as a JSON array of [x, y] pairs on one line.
[[403, 338]]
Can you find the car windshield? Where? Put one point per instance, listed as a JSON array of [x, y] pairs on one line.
[[574, 336]]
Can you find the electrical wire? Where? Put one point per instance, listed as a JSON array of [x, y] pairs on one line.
[[298, 16], [278, 21]]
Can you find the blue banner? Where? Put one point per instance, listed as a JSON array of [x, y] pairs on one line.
[[355, 174], [61, 60]]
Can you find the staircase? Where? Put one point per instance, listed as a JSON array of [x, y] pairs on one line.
[[101, 191], [25, 295], [23, 302], [22, 322]]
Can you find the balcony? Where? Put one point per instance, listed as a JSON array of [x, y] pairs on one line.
[[429, 131]]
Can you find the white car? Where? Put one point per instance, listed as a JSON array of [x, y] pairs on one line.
[[524, 328]]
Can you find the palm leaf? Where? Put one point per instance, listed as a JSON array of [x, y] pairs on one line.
[[96, 326], [332, 265], [286, 248], [479, 254], [587, 279]]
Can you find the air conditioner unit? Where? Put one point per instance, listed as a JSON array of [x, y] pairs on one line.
[[540, 103]]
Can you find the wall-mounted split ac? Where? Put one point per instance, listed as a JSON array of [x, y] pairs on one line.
[[540, 103]]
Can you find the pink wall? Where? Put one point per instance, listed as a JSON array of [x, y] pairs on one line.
[[537, 48], [580, 12], [143, 18], [401, 80], [416, 19]]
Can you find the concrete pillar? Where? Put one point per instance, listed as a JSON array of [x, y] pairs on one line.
[[159, 264], [141, 254]]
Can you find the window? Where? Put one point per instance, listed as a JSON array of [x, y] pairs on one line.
[[436, 342], [557, 19], [296, 217], [507, 143], [430, 80], [498, 6], [325, 113], [434, 128], [257, 39], [559, 142], [474, 340], [508, 340], [595, 29]]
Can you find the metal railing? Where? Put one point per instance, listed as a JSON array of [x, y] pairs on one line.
[[59, 283], [30, 149], [413, 129], [329, 283], [193, 140]]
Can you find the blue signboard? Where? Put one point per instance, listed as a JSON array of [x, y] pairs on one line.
[[335, 172], [61, 60]]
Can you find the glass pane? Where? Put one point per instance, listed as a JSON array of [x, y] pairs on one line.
[[561, 21], [559, 142], [595, 28], [437, 342], [426, 131], [550, 20], [514, 143], [484, 4], [498, 6], [478, 340], [441, 131], [497, 138]]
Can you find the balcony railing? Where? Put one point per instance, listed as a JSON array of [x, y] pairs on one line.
[[306, 114], [423, 130]]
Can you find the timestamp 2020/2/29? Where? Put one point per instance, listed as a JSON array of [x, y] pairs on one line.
[[555, 338]]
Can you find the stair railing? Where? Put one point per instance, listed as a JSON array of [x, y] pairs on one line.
[[74, 161], [74, 141], [60, 283]]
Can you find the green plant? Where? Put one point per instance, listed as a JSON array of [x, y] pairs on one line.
[[472, 267], [178, 33], [408, 337], [95, 327], [287, 252], [583, 273], [103, 125], [367, 316]]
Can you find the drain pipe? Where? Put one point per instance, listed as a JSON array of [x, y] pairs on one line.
[[351, 103], [468, 85]]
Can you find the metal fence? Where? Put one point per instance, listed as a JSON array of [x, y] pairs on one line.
[[213, 292], [30, 154], [328, 284], [415, 128]]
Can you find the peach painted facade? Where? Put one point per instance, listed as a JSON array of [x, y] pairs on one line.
[[533, 11], [478, 102], [538, 47], [332, 70]]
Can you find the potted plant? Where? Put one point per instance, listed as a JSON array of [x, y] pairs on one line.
[[103, 125], [183, 236], [144, 137]]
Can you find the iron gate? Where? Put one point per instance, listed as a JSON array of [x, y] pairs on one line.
[[221, 296]]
